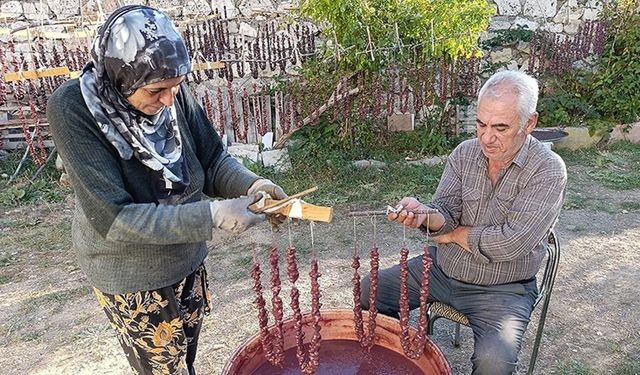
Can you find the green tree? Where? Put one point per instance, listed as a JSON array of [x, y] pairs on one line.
[[615, 85], [366, 34]]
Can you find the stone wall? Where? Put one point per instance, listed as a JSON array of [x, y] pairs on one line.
[[23, 18]]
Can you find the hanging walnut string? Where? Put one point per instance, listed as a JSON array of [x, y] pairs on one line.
[[286, 109], [266, 111], [17, 86], [3, 67], [391, 95], [253, 64], [413, 346], [237, 53], [39, 157], [234, 114], [366, 340], [206, 101], [256, 109], [276, 306], [245, 111], [223, 120], [270, 340], [376, 88], [309, 361], [298, 107]]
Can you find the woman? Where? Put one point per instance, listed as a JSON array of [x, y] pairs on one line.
[[140, 153]]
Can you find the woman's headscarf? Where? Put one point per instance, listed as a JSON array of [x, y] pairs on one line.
[[137, 46]]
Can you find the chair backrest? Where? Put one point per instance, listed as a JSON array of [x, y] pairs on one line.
[[550, 268]]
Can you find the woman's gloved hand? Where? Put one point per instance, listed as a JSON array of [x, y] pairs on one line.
[[268, 187], [274, 191], [234, 215]]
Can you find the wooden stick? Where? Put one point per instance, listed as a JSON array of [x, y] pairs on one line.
[[24, 157], [51, 155], [282, 201]]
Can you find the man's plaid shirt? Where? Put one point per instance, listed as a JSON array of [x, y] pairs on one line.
[[509, 221]]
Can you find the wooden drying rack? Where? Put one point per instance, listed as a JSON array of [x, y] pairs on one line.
[[286, 206]]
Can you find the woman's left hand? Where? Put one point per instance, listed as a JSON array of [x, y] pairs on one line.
[[266, 185], [275, 192]]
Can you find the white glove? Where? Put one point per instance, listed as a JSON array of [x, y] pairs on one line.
[[234, 215], [268, 187]]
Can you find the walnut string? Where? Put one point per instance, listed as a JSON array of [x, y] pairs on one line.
[[272, 342], [366, 340], [308, 362], [276, 305], [414, 346]]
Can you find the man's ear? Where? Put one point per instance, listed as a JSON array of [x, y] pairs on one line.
[[531, 123]]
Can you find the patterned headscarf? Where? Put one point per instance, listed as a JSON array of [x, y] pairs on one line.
[[137, 46]]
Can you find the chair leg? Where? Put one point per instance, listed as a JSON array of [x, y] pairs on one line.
[[456, 338], [430, 322], [536, 344]]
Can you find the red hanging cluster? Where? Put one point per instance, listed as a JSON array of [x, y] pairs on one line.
[[273, 340], [366, 340], [413, 346]]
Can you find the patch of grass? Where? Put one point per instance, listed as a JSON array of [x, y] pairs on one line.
[[7, 258], [24, 191], [614, 347], [244, 262], [32, 335], [630, 205], [617, 166], [629, 367], [8, 223], [574, 368], [36, 235], [59, 298], [574, 202], [603, 206], [340, 182], [5, 279], [579, 156]]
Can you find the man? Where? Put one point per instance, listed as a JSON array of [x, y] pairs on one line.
[[499, 196]]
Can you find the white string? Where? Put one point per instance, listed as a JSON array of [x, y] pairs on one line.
[[289, 230], [311, 224], [375, 232], [404, 234], [355, 238]]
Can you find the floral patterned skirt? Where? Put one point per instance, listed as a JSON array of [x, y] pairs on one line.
[[159, 329]]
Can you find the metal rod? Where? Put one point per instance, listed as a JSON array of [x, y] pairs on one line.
[[386, 212]]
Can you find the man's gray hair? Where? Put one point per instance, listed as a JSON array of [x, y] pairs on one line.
[[513, 82]]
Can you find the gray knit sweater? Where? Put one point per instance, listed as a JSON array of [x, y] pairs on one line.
[[125, 241]]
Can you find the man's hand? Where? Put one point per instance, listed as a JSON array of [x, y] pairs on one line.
[[234, 215], [459, 236], [405, 216]]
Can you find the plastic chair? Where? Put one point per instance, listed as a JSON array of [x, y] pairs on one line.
[[439, 310]]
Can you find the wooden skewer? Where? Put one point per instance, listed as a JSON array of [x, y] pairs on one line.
[[386, 212], [289, 198]]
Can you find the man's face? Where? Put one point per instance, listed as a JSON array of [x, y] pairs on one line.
[[498, 127], [152, 98]]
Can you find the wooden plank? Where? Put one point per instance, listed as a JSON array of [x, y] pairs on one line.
[[13, 145], [64, 71], [307, 211], [20, 136], [207, 65], [17, 123], [34, 74], [310, 212]]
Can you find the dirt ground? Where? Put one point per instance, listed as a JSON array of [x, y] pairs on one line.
[[51, 324]]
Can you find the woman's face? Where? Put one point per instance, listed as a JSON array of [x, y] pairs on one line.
[[152, 98]]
